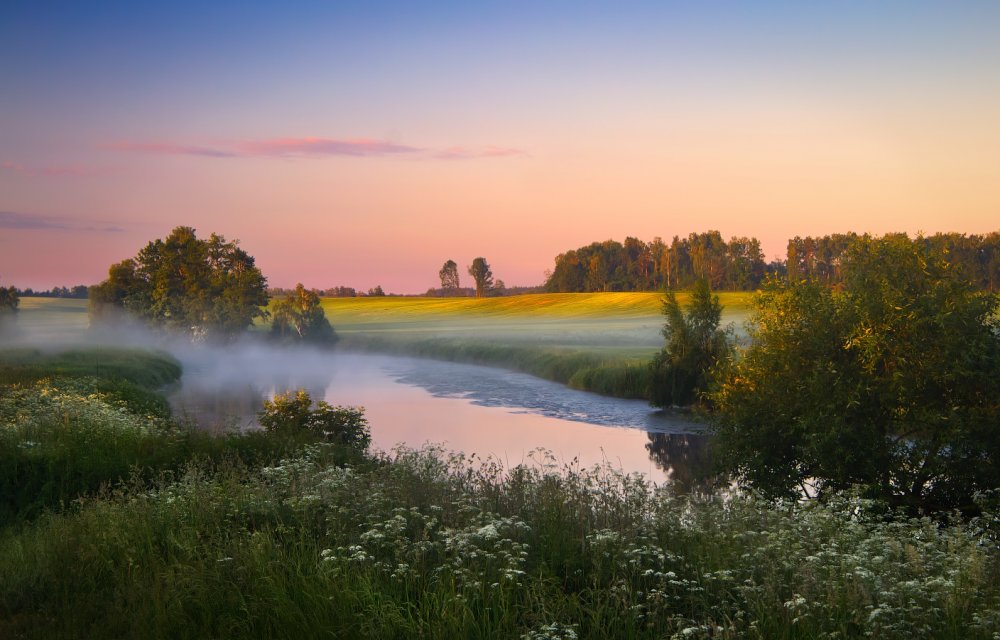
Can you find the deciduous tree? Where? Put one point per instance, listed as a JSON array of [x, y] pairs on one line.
[[449, 278], [482, 274], [890, 383], [202, 287], [299, 317]]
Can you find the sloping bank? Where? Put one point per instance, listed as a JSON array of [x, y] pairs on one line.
[[584, 370]]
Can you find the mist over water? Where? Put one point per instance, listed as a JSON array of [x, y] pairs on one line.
[[412, 401]]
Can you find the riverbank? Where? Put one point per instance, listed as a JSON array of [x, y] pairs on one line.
[[152, 530], [599, 342]]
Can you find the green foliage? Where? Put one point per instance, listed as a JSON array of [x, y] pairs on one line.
[[423, 544], [889, 383], [483, 276], [293, 413], [694, 345], [146, 369], [821, 258], [299, 317], [203, 287], [639, 266]]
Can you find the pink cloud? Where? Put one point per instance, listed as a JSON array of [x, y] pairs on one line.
[[71, 170], [168, 149], [323, 147], [311, 147]]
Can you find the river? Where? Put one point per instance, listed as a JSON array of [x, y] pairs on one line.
[[473, 409]]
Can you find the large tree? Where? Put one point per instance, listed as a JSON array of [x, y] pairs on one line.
[[204, 287], [483, 275], [694, 343], [299, 317], [449, 278], [890, 383]]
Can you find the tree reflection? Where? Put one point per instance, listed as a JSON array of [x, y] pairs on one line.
[[221, 405], [687, 460]]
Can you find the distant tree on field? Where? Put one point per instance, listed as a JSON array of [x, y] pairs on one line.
[[376, 291], [299, 317], [449, 278], [207, 288], [483, 275], [9, 300], [8, 306]]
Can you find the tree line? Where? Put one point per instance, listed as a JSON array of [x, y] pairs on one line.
[[739, 265], [634, 265], [821, 258], [78, 292], [333, 292]]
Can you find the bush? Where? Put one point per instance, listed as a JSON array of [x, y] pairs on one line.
[[292, 412]]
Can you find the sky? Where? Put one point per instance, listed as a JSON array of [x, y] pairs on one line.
[[363, 144]]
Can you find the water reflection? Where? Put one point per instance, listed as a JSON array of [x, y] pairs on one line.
[[473, 409], [687, 461]]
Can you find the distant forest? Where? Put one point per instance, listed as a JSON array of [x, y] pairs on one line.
[[738, 265], [79, 291]]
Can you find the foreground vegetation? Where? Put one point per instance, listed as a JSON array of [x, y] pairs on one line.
[[146, 529]]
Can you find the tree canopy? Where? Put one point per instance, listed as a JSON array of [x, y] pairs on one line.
[[890, 382], [449, 278], [694, 344], [640, 266], [483, 275], [208, 288], [299, 317]]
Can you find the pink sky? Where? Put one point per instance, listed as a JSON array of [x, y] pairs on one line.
[[373, 157]]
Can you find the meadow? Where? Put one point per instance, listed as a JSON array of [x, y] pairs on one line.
[[599, 342], [120, 523], [117, 521]]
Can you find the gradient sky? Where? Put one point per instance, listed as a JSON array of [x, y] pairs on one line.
[[367, 144]]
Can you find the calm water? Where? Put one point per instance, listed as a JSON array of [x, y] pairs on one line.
[[474, 409]]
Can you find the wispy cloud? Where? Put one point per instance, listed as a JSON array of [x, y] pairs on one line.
[[311, 147], [25, 170], [12, 220], [168, 149], [465, 153], [323, 147]]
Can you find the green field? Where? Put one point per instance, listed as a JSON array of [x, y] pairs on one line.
[[593, 341], [52, 318]]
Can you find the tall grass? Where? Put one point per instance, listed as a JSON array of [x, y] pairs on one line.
[[423, 544], [118, 523]]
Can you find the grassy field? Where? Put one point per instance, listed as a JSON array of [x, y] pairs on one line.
[[598, 342], [551, 314]]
